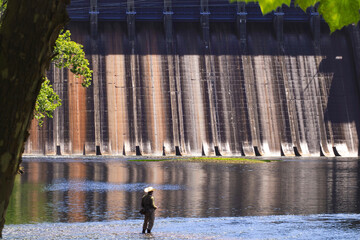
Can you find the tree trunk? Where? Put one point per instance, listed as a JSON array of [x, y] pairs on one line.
[[27, 37]]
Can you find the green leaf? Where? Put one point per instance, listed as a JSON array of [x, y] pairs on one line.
[[69, 54], [46, 102], [3, 5], [339, 13], [304, 4], [267, 6]]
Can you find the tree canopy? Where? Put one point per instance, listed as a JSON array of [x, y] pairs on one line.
[[67, 54], [337, 13]]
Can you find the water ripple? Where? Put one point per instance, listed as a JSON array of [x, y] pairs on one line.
[[63, 185]]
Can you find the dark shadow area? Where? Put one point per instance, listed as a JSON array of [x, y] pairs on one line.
[[58, 150], [257, 152], [177, 151], [164, 152], [138, 151], [98, 151], [338, 70], [152, 34], [337, 154], [185, 10], [296, 151], [217, 151]]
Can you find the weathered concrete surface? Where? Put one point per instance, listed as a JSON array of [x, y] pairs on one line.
[[152, 98]]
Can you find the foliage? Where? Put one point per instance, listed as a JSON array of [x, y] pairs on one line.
[[46, 102], [337, 13], [3, 4], [68, 54]]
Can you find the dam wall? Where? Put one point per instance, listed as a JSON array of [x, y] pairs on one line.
[[275, 90]]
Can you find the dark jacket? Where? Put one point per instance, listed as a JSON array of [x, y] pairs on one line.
[[147, 202]]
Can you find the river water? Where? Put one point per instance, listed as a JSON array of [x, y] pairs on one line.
[[81, 198]]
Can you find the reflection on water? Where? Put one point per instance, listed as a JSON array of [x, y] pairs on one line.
[[90, 189]]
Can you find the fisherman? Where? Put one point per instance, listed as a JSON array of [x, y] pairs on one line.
[[148, 204]]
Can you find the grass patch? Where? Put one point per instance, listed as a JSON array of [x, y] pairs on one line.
[[204, 159], [227, 160]]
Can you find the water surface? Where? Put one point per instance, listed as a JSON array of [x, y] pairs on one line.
[[320, 194], [338, 226], [97, 189]]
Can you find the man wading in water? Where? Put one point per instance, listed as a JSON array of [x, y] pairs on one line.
[[147, 203]]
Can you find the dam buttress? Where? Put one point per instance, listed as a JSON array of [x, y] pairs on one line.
[[207, 78]]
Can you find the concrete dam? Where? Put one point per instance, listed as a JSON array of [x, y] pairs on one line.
[[205, 78]]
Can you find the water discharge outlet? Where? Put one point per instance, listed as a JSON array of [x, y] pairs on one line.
[[58, 150], [217, 151], [137, 150], [98, 152]]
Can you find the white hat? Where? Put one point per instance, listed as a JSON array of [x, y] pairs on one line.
[[149, 189]]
